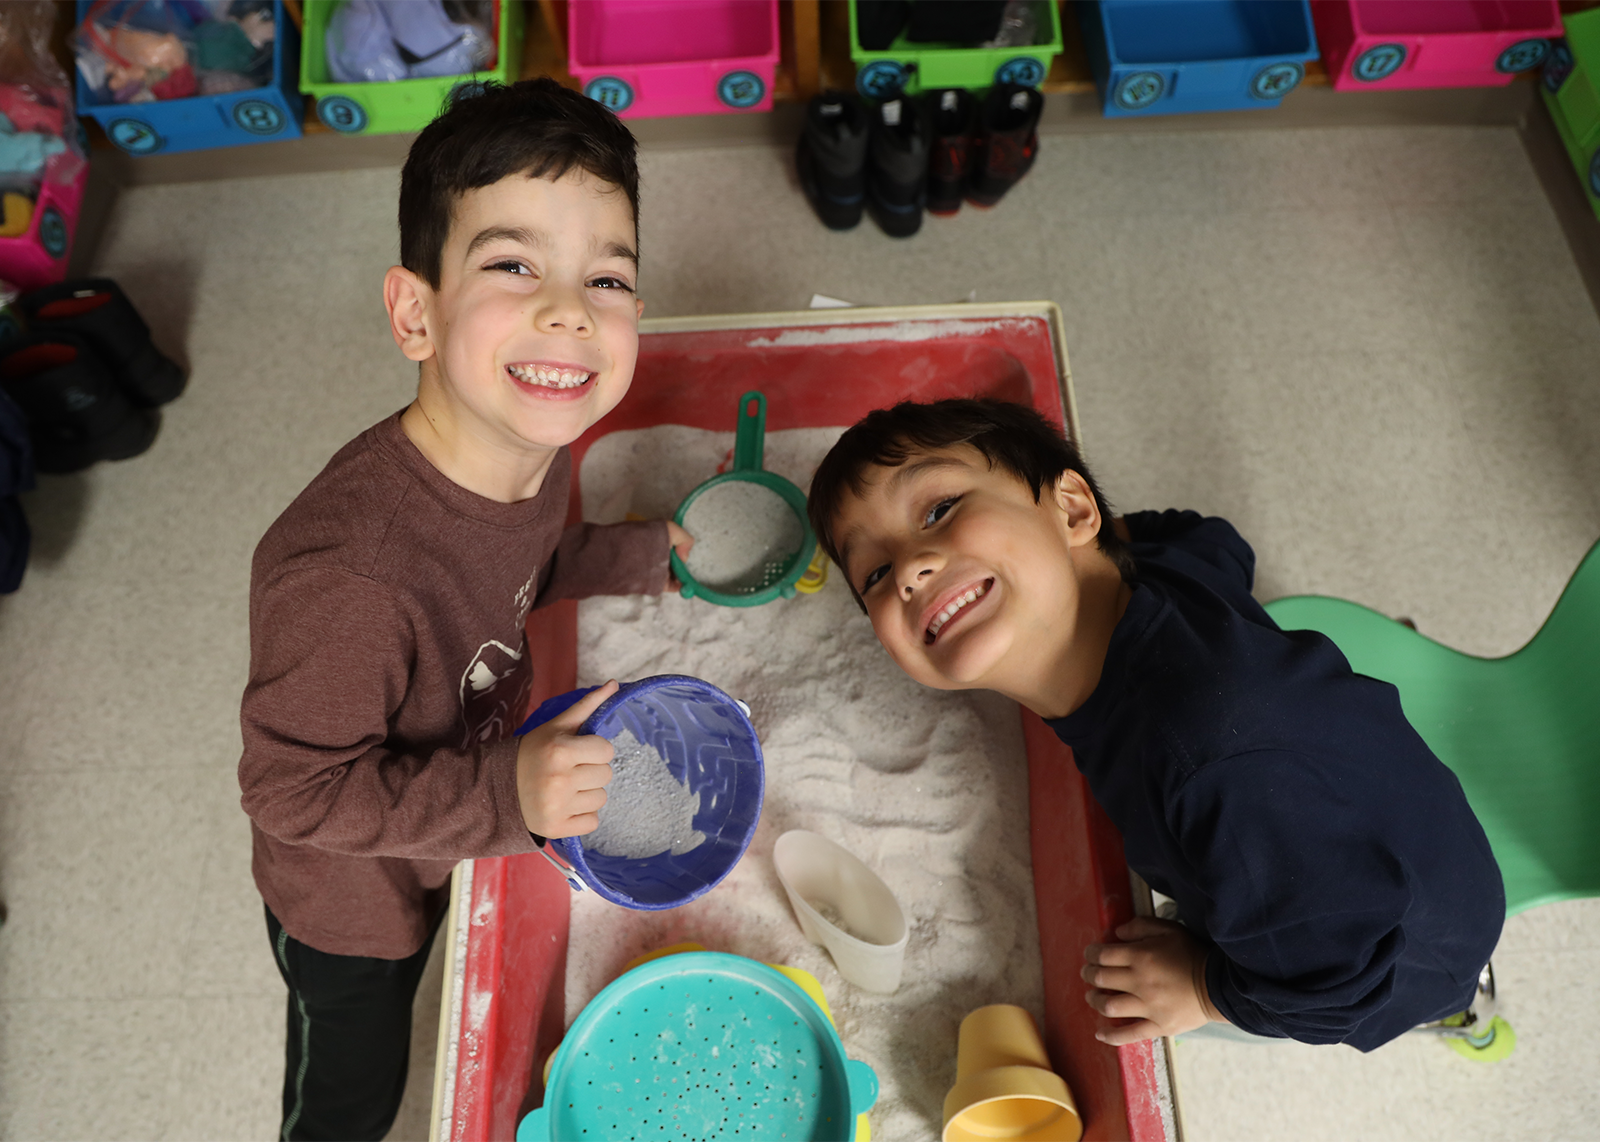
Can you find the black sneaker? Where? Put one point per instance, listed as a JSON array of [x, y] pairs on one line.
[[897, 166], [76, 412], [832, 158], [97, 309], [1008, 140], [950, 114]]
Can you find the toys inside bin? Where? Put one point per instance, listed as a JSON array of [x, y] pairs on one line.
[[380, 41], [43, 168], [144, 51], [419, 55]]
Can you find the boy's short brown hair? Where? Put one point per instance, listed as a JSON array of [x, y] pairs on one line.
[[535, 127], [1010, 436]]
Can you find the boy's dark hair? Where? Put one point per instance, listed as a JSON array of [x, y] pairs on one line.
[[535, 127], [1010, 436]]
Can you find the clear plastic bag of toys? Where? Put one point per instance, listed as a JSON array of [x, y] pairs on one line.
[[141, 51], [375, 41], [39, 137]]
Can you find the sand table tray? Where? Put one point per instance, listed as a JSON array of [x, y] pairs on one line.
[[974, 814]]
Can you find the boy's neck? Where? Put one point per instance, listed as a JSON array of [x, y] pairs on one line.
[[467, 455], [1069, 681]]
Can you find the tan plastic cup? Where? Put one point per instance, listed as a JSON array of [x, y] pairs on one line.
[[1004, 1085], [865, 930]]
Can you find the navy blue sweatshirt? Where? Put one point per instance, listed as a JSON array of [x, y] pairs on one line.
[[1303, 827]]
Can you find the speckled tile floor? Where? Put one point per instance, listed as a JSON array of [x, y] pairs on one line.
[[1369, 348]]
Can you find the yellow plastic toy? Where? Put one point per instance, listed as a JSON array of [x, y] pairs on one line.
[[1004, 1085]]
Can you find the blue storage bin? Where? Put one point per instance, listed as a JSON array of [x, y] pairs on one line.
[[1163, 57], [258, 115]]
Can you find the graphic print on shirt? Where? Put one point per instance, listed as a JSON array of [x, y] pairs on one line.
[[494, 691]]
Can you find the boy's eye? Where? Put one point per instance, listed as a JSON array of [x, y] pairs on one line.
[[873, 577], [937, 512], [510, 267], [611, 283]]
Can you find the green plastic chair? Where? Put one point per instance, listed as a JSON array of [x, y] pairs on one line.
[[1522, 733]]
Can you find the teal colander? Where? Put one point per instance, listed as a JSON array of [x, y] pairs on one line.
[[702, 1045], [782, 572]]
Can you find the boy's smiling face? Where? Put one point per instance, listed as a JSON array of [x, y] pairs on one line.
[[532, 332], [967, 580]]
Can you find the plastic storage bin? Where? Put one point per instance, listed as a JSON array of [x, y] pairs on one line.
[[1569, 91], [909, 68], [404, 104], [1432, 43], [1158, 57], [258, 115], [674, 57], [505, 966], [39, 257]]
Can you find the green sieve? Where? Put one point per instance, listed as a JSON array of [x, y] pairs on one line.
[[764, 571]]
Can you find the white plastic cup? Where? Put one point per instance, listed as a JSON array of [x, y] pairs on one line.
[[816, 873]]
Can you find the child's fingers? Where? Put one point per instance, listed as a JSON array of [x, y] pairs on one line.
[[568, 720], [1110, 979], [591, 776], [1131, 1033], [575, 826], [1109, 955], [586, 800], [1143, 927], [1116, 1004]]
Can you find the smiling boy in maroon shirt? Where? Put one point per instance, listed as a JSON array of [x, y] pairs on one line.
[[388, 665]]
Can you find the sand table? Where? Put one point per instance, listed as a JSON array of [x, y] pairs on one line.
[[929, 788]]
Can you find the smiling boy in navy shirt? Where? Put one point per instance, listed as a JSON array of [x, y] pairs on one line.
[[1332, 883]]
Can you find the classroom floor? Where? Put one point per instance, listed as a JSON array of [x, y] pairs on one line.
[[1368, 348]]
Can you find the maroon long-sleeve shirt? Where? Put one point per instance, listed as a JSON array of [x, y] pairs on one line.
[[387, 671]]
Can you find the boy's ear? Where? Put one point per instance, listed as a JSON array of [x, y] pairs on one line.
[[1076, 503], [406, 296]]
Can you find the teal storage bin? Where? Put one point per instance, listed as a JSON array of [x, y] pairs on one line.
[[907, 68], [258, 115]]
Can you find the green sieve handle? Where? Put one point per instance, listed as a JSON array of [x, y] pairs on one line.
[[750, 438]]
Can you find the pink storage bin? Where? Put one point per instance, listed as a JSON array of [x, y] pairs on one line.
[[646, 58], [39, 257], [1368, 44]]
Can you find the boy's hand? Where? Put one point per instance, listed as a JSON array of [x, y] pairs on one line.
[[1157, 977], [681, 542], [561, 775]]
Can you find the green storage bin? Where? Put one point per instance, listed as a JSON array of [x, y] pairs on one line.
[[403, 105], [1569, 91], [908, 68]]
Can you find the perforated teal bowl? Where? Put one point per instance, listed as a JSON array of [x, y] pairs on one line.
[[702, 1045]]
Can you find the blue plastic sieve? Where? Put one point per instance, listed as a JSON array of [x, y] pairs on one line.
[[706, 739]]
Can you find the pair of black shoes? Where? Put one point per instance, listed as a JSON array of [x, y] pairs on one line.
[[906, 155], [86, 375]]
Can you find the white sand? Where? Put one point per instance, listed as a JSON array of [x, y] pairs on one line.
[[647, 811], [744, 536], [928, 788]]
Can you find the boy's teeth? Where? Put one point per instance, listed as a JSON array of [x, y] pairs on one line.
[[549, 378], [951, 608]]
